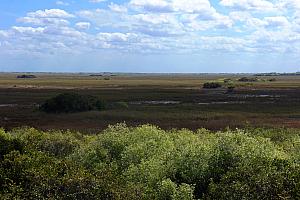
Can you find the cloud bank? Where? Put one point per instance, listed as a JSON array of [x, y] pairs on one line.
[[150, 27]]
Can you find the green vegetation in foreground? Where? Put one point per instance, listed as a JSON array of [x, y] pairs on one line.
[[149, 163]]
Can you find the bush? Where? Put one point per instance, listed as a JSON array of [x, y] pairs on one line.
[[247, 79], [230, 89], [8, 144], [149, 163], [120, 105], [26, 76], [71, 102], [212, 85], [227, 80]]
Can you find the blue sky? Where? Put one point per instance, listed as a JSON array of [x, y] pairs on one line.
[[150, 35]]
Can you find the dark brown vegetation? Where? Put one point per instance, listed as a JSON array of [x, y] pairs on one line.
[[26, 76], [248, 79], [211, 85], [71, 103]]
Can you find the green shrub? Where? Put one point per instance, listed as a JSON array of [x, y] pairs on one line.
[[119, 105], [26, 76], [230, 89], [211, 85], [272, 79], [8, 143], [150, 163], [71, 102], [247, 79]]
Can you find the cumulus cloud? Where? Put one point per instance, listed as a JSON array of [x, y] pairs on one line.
[[96, 1], [152, 26], [152, 5], [254, 5], [116, 37], [62, 3], [83, 25], [186, 6], [117, 8], [276, 22], [289, 4], [27, 30], [46, 17], [50, 13], [43, 21]]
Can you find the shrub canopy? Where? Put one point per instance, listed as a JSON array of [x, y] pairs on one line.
[[247, 79], [212, 85], [149, 163], [71, 102], [26, 76]]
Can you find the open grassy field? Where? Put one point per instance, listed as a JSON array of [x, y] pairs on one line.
[[166, 100]]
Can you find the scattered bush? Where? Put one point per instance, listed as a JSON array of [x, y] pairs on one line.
[[149, 163], [227, 80], [247, 79], [26, 76], [120, 105], [230, 89], [71, 102], [212, 85]]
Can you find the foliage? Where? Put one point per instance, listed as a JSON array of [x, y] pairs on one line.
[[149, 163], [120, 105], [230, 89], [26, 76], [211, 85], [272, 79], [72, 102], [247, 79]]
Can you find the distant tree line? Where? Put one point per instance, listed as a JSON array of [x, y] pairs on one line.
[[278, 74]]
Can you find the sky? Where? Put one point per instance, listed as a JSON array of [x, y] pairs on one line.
[[182, 36]]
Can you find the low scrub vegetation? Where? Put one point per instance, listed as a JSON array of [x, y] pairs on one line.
[[71, 102], [26, 76], [248, 79], [149, 163], [212, 85]]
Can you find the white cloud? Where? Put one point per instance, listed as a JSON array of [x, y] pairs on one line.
[[3, 33], [240, 16], [155, 18], [277, 22], [43, 21], [96, 1], [117, 8], [51, 17], [202, 7], [83, 25], [62, 3], [28, 30], [152, 5], [255, 23], [289, 4], [254, 5], [116, 37], [152, 26], [50, 13]]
